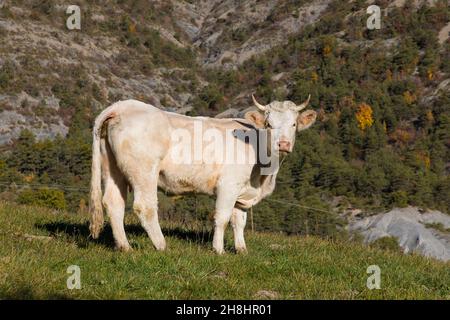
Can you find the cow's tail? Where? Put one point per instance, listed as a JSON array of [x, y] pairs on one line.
[[95, 202]]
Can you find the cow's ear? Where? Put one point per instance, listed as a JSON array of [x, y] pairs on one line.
[[256, 118], [306, 119]]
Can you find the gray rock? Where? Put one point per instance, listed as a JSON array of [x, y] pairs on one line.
[[20, 116], [234, 113], [408, 225], [229, 113]]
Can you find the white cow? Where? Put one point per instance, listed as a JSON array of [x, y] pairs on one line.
[[138, 145]]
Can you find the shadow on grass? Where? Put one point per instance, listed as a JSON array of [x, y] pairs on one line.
[[79, 233], [202, 236], [26, 292]]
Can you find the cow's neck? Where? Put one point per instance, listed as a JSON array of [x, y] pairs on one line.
[[267, 182]]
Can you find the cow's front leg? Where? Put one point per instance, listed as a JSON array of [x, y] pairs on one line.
[[238, 221], [226, 198]]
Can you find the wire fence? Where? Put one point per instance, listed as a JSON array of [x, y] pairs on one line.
[[309, 222], [86, 189], [297, 205], [43, 186]]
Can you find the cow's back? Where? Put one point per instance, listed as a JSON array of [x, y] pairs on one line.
[[141, 135]]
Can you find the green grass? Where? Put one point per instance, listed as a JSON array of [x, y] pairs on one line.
[[290, 267], [437, 226]]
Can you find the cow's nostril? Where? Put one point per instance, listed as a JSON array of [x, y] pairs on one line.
[[284, 145]]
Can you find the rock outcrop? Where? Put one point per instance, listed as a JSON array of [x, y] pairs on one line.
[[426, 233]]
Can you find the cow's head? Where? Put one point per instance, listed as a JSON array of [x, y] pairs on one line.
[[282, 120]]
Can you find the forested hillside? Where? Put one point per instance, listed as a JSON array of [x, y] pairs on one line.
[[383, 96]]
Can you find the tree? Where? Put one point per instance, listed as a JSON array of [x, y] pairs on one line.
[[364, 116], [24, 156], [43, 197]]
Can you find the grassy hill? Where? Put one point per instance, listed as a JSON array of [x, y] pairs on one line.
[[38, 245]]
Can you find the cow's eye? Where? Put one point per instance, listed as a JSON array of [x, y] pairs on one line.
[[294, 124]]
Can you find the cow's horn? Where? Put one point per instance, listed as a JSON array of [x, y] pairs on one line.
[[303, 105], [260, 106]]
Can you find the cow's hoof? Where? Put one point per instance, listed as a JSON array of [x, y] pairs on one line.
[[160, 246], [219, 251], [242, 250], [124, 248]]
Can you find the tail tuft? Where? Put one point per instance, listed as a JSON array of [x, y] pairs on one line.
[[95, 203]]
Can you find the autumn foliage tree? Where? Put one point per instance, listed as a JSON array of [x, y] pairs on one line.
[[364, 116]]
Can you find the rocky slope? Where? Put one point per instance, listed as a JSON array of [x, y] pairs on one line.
[[40, 53], [234, 31], [417, 231]]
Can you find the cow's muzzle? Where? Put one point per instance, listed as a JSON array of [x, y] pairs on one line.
[[284, 146]]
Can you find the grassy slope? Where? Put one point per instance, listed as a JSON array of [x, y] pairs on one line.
[[293, 267]]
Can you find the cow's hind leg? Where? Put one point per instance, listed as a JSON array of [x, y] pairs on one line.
[[114, 198], [114, 202], [146, 206], [238, 221]]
